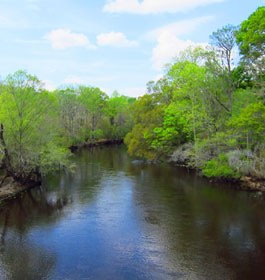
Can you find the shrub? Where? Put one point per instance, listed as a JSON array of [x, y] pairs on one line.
[[219, 168]]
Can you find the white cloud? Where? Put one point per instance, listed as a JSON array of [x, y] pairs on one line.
[[115, 39], [169, 45], [154, 6], [61, 39], [180, 27], [168, 48]]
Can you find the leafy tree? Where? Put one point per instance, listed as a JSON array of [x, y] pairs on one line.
[[251, 41], [251, 36], [28, 128], [249, 124], [93, 100]]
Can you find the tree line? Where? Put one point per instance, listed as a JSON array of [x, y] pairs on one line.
[[37, 127], [207, 112]]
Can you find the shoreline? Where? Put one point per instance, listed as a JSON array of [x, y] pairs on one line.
[[244, 183], [103, 142], [10, 188]]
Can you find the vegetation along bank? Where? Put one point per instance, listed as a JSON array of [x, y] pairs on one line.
[[207, 112]]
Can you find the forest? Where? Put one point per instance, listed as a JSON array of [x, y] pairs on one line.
[[207, 113]]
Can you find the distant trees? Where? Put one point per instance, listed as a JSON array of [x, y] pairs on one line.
[[37, 127], [88, 114]]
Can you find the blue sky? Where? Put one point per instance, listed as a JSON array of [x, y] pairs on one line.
[[115, 45]]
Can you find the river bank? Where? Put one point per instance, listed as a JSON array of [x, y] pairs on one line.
[[102, 142], [10, 188], [135, 220], [244, 183]]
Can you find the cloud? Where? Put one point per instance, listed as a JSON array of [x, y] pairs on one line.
[[180, 27], [61, 39], [166, 50], [154, 6], [115, 39], [169, 44]]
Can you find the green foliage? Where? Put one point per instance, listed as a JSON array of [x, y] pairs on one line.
[[219, 168], [249, 124], [205, 114], [29, 117], [138, 144], [251, 35], [241, 78], [54, 157], [202, 112], [251, 42], [37, 127]]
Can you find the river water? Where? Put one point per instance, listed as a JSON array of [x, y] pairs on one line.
[[119, 218]]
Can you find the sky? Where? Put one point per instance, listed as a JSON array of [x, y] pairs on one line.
[[111, 44]]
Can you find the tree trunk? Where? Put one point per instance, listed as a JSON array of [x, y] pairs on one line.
[[6, 160]]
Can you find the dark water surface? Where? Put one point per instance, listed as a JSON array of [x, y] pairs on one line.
[[116, 218]]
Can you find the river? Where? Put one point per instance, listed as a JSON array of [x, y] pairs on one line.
[[118, 218]]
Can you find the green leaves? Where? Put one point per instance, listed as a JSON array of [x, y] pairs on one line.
[[249, 124], [251, 35], [219, 168], [28, 114]]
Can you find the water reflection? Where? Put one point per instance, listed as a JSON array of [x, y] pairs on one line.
[[21, 257], [117, 218]]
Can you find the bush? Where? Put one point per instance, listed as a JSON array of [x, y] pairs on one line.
[[219, 168]]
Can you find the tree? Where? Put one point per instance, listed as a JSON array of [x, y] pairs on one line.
[[251, 41], [251, 35], [93, 100], [224, 39], [73, 116], [29, 136]]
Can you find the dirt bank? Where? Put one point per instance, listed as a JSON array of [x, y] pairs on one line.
[[10, 188]]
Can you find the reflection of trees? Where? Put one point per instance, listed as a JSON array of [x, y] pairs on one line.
[[33, 207], [187, 224], [21, 260], [208, 229], [216, 232]]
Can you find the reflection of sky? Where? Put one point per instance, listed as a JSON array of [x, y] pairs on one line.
[[103, 236], [136, 221]]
